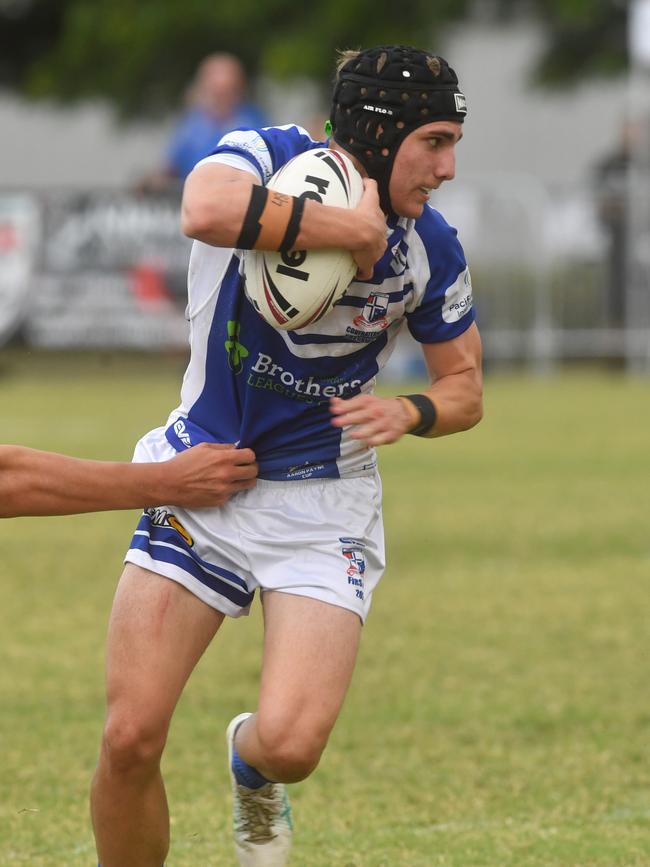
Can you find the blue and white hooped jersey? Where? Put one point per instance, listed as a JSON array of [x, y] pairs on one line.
[[269, 390]]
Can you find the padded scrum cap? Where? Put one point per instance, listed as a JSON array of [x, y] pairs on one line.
[[382, 95]]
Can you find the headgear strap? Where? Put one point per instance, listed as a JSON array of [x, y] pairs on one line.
[[382, 95]]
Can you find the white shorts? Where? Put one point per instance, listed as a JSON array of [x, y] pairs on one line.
[[321, 538]]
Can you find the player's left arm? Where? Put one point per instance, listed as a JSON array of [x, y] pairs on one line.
[[217, 199], [456, 392], [34, 482]]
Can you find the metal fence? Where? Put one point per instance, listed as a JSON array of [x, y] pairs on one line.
[[106, 269], [548, 271]]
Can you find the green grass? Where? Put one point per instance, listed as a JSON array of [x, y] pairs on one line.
[[499, 715]]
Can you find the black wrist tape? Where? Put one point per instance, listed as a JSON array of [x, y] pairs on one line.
[[293, 227], [271, 222], [428, 413]]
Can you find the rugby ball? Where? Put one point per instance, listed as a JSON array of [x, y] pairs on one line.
[[293, 289]]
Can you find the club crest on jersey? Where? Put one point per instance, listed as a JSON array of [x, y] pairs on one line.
[[374, 312], [160, 517]]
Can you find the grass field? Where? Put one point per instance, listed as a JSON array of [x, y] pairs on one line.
[[499, 716]]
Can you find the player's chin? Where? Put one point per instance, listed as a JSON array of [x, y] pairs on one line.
[[411, 209]]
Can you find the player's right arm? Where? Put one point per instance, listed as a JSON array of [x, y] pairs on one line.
[[216, 199], [34, 482]]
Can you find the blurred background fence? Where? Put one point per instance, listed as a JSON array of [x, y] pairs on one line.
[[551, 199], [108, 269]]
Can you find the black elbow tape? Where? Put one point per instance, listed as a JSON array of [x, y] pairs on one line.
[[272, 221], [251, 226]]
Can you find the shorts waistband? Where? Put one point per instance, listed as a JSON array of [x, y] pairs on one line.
[[294, 483], [298, 483]]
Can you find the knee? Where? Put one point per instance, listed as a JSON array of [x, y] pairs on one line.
[[291, 751], [131, 745]]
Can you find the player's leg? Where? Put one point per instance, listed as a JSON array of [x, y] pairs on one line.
[[317, 591], [310, 649], [316, 547], [158, 631]]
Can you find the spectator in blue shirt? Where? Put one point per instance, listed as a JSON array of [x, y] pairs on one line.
[[216, 106]]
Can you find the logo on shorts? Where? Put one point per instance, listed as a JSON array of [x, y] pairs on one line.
[[352, 550], [235, 350], [160, 517]]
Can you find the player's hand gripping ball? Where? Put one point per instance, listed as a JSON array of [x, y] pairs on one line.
[[297, 288]]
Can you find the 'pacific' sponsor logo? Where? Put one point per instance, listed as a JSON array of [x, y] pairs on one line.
[[458, 298]]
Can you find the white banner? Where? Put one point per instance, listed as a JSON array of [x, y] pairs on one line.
[[20, 230], [112, 272]]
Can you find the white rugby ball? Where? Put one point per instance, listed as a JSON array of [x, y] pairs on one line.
[[294, 289]]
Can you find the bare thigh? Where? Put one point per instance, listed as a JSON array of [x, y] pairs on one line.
[[157, 633], [310, 650]]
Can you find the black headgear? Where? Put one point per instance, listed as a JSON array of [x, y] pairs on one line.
[[382, 95]]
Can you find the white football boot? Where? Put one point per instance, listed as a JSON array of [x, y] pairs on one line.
[[262, 821]]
